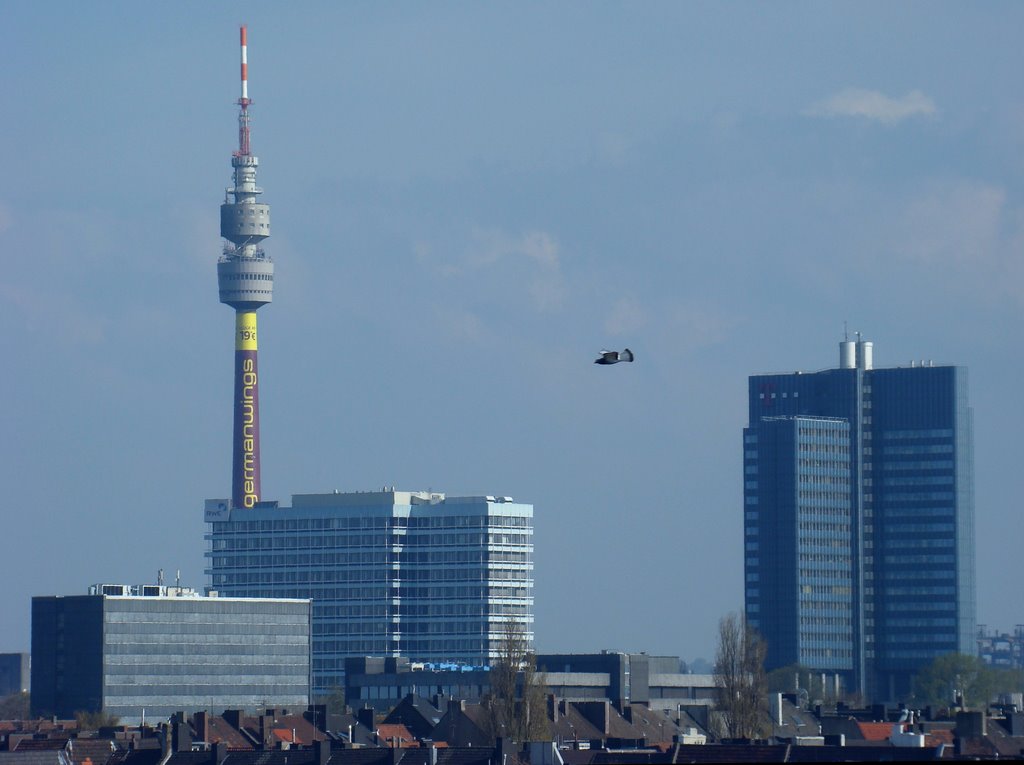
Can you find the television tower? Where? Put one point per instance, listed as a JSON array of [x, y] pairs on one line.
[[245, 276]]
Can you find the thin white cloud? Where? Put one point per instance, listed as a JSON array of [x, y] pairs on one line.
[[56, 318], [873, 105], [543, 281], [627, 317], [962, 235], [462, 324], [954, 224]]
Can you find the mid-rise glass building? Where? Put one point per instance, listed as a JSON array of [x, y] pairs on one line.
[[391, 573], [859, 519], [798, 540], [153, 650]]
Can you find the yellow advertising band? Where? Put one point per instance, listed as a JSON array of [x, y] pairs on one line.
[[245, 331]]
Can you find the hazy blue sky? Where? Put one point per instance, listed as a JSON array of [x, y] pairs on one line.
[[470, 200]]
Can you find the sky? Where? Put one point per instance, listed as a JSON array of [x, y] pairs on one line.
[[469, 202]]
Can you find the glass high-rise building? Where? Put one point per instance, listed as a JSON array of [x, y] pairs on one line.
[[859, 519], [391, 573]]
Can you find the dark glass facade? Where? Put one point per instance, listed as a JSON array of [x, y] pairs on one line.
[[798, 541], [874, 512], [134, 656]]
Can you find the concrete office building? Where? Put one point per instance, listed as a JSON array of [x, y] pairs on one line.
[[620, 678], [625, 678], [391, 573], [14, 673], [859, 519], [153, 650]]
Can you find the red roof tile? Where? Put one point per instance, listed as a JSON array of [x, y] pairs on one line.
[[875, 731]]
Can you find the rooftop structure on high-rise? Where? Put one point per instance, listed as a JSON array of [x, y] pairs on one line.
[[245, 275], [859, 519]]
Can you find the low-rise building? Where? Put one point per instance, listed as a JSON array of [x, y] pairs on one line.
[[152, 650], [14, 673]]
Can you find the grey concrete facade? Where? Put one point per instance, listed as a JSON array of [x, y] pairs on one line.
[[133, 656]]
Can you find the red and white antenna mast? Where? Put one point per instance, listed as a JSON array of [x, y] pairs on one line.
[[243, 101]]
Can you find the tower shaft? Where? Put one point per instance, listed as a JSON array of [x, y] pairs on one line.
[[245, 468], [245, 276]]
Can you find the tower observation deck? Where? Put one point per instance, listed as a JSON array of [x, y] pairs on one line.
[[245, 276]]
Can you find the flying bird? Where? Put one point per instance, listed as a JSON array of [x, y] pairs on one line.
[[614, 357]]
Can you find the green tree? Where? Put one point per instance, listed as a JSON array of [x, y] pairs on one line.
[[955, 674], [516, 702], [1006, 680], [15, 707], [740, 680], [335, 701], [96, 720]]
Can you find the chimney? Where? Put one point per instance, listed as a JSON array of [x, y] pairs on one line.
[[503, 747], [970, 725], [366, 716], [182, 736], [1015, 722], [266, 731], [220, 752], [316, 714], [233, 717], [202, 725], [322, 752], [164, 736], [441, 702]]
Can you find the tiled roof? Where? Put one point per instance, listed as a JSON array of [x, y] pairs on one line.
[[572, 726], [273, 757], [737, 753], [1003, 743], [417, 714], [91, 751], [625, 757], [305, 731], [35, 757], [395, 734], [875, 731], [862, 753], [221, 731], [137, 757], [37, 726], [656, 726]]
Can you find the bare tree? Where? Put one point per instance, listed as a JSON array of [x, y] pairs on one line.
[[740, 680], [517, 700]]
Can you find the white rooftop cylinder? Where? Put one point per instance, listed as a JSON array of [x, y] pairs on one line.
[[847, 355], [865, 355]]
